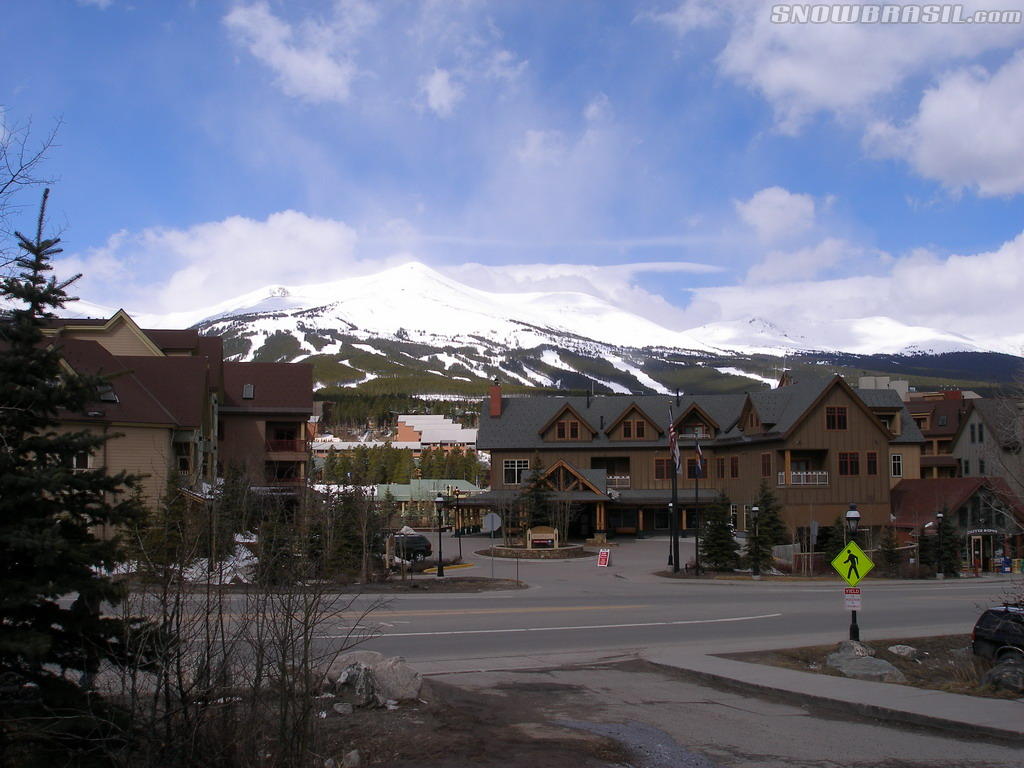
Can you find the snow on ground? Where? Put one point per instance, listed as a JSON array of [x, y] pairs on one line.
[[552, 358], [369, 377], [642, 377], [368, 348], [613, 386], [746, 375]]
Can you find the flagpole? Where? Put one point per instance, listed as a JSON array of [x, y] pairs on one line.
[[673, 507]]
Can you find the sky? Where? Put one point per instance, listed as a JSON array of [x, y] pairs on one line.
[[691, 161]]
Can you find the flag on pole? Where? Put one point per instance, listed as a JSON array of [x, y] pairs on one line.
[[673, 444], [700, 459]]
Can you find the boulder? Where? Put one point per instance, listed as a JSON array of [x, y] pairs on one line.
[[906, 651], [352, 759], [370, 679], [1007, 674], [866, 668], [849, 649], [344, 708]]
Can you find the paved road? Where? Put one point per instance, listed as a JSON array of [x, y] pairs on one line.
[[576, 607]]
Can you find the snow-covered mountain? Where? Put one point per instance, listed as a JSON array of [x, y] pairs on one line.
[[413, 322]]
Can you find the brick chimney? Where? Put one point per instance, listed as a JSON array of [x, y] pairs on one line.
[[494, 394]]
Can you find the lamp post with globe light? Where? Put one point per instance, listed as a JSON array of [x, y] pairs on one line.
[[941, 571], [439, 506], [852, 522]]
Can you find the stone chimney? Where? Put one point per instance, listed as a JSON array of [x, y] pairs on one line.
[[494, 394]]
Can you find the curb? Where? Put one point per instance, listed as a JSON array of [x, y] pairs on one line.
[[868, 710]]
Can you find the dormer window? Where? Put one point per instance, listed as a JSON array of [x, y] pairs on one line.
[[634, 429], [248, 391], [835, 418], [567, 429]]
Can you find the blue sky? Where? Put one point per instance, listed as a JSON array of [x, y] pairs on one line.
[[694, 160]]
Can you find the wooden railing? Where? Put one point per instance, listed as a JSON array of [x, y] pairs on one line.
[[620, 482], [804, 478], [297, 446]]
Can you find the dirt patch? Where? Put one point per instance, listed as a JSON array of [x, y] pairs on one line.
[[452, 728], [945, 664]]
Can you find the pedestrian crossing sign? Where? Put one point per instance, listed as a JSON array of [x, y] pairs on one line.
[[852, 564]]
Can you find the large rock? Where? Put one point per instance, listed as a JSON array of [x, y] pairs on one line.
[[1008, 674], [370, 679], [866, 668], [906, 651]]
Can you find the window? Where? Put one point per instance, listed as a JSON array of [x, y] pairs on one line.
[[981, 466], [662, 469], [734, 513], [248, 391], [766, 465], [634, 430], [849, 464], [567, 429], [835, 418], [942, 420], [720, 466], [896, 465], [734, 466], [972, 433], [744, 521], [514, 470], [981, 433], [79, 462], [692, 470], [967, 467], [872, 463]]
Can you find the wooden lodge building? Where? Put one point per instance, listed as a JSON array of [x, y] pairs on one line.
[[820, 444]]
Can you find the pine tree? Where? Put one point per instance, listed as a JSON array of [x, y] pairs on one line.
[[947, 558], [926, 547], [49, 513], [534, 502], [719, 549], [770, 524]]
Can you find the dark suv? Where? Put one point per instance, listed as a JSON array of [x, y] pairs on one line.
[[999, 633], [412, 546]]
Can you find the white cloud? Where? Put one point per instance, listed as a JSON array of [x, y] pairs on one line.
[[312, 60], [442, 93], [777, 214], [967, 131], [101, 4], [209, 262], [805, 263], [842, 69], [977, 295], [598, 108]]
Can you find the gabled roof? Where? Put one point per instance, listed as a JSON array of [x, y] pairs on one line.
[[915, 502], [58, 325], [1003, 418], [829, 385], [629, 409], [694, 407], [567, 407], [575, 472]]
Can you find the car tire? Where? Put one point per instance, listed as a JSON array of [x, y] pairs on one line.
[[1010, 654], [419, 556]]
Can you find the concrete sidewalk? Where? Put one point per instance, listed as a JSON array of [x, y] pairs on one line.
[[1001, 719]]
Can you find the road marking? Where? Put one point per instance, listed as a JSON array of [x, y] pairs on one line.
[[383, 635], [488, 611]]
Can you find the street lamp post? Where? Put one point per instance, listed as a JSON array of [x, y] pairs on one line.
[[439, 506], [852, 521], [941, 572], [755, 549]]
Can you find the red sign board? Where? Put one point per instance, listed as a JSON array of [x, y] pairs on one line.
[[604, 556]]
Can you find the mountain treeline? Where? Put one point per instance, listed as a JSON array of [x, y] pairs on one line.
[[362, 411], [365, 465]]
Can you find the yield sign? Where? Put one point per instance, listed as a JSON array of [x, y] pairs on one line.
[[852, 564]]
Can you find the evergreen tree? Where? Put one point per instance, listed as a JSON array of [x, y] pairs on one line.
[[947, 559], [890, 550], [770, 524], [534, 502], [927, 544], [719, 549], [49, 512]]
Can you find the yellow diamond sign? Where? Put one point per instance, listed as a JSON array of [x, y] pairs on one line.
[[852, 564]]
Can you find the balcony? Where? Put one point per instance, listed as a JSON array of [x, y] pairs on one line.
[[293, 446], [618, 482], [816, 478]]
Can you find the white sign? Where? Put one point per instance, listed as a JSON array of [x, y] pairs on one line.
[[851, 598], [604, 557]]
